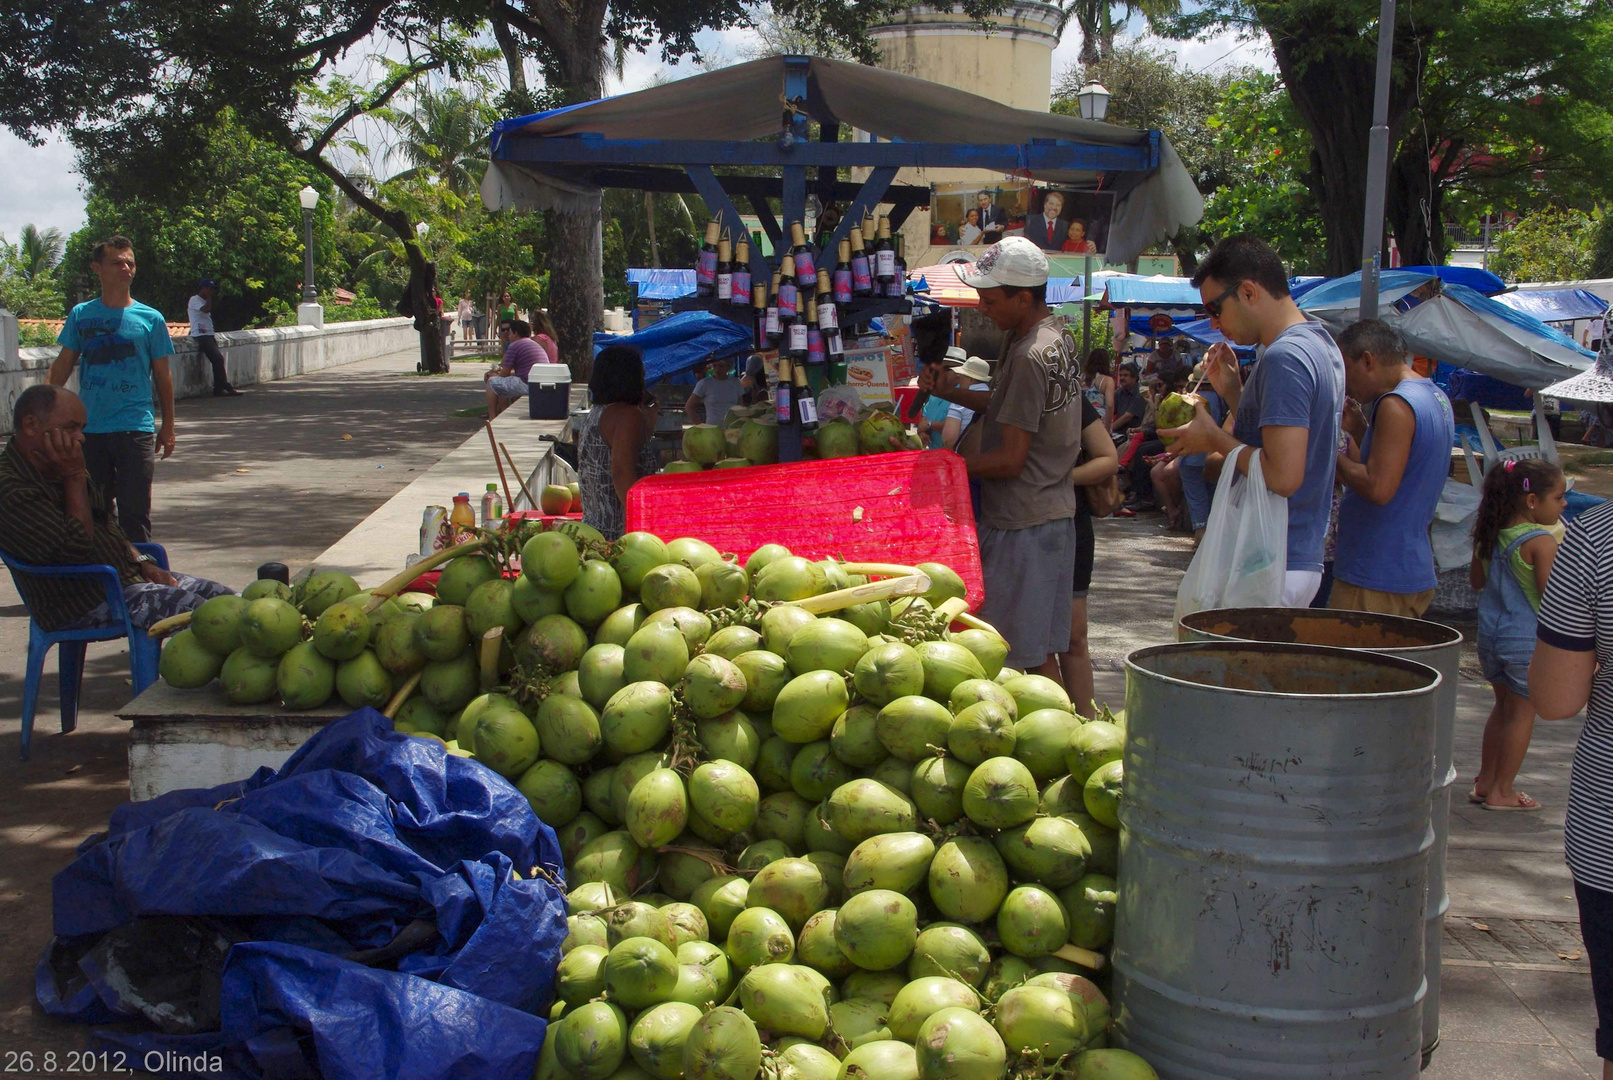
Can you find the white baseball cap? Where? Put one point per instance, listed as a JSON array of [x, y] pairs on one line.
[[1012, 260]]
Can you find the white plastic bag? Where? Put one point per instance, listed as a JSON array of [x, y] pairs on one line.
[[1243, 558]]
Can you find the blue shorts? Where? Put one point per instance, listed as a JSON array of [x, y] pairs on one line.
[[1506, 662]]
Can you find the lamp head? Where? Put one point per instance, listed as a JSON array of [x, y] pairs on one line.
[[1094, 101], [308, 197]]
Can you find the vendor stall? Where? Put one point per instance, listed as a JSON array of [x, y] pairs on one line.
[[688, 136]]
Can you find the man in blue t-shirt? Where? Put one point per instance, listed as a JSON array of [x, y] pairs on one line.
[[121, 349], [1289, 411]]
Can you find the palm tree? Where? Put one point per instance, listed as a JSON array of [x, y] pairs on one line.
[[40, 251], [1097, 23], [444, 136]]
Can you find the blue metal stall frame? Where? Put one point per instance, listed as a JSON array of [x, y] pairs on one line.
[[652, 164]]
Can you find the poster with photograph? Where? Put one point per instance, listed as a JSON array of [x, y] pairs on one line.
[[975, 215], [1069, 222]]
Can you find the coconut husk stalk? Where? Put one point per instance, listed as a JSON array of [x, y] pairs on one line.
[[912, 584], [489, 658], [404, 693], [398, 582], [1093, 961]]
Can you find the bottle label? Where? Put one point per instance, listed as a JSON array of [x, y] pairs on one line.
[[798, 337], [787, 301], [809, 409], [741, 287], [781, 402], [885, 258], [861, 279], [815, 353], [837, 345], [772, 320], [705, 270], [842, 287], [828, 317], [893, 288], [725, 286], [804, 270]]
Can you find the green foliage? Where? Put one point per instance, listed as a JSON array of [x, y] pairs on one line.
[[27, 291], [279, 313], [40, 250], [1602, 247], [1551, 244], [242, 227]]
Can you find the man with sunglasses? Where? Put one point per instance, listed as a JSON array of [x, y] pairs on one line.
[[1289, 411]]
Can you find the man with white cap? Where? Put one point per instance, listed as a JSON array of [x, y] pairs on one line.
[[1032, 419]]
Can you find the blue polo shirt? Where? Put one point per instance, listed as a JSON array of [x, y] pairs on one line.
[[115, 349]]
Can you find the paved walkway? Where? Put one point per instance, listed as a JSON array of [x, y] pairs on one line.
[[1516, 992]]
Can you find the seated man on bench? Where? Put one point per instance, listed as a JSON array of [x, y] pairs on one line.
[[52, 514]]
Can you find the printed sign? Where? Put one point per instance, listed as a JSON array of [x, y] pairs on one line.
[[868, 372], [975, 215]]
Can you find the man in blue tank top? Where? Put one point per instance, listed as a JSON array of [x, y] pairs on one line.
[[1385, 560]]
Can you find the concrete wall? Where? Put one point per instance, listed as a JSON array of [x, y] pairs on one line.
[[1012, 63], [250, 356]]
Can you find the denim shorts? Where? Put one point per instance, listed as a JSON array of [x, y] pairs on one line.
[[1506, 662], [509, 386]]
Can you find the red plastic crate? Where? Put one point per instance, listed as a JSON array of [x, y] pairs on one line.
[[915, 508]]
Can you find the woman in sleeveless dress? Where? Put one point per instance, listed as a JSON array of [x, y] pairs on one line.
[[614, 451]]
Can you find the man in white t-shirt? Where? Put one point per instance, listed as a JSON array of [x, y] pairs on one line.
[[714, 395], [201, 332]]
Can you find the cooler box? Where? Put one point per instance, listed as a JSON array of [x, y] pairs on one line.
[[549, 391]]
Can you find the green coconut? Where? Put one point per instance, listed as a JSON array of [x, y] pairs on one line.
[[981, 731], [1032, 692], [732, 641], [773, 761], [670, 585], [1042, 739], [952, 950], [725, 795], [722, 584], [789, 578], [269, 627], [554, 643], [855, 737], [599, 674], [785, 999], [217, 624], [815, 772], [581, 974], [759, 935], [783, 816], [593, 594], [441, 633], [1090, 904], [828, 644], [324, 588], [913, 727], [532, 603], [629, 771], [553, 791], [1103, 792], [634, 919], [396, 648], [1000, 794], [186, 663], [766, 674], [1092, 745], [657, 652], [712, 686], [794, 888], [989, 648], [720, 899], [1110, 1063], [249, 679], [1050, 851], [576, 833], [636, 718], [806, 709], [1032, 922], [816, 947], [937, 788], [898, 862], [945, 666], [568, 729], [780, 624], [266, 587], [613, 859], [944, 583], [967, 879], [306, 679], [958, 1044], [363, 681], [723, 1045], [551, 561], [657, 1037], [860, 1020], [657, 809], [620, 625], [923, 997], [973, 691], [704, 443], [864, 808], [880, 1060], [877, 929]]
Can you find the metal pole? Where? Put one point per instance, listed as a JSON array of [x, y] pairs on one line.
[[309, 296], [1486, 261], [1377, 165], [1086, 309]]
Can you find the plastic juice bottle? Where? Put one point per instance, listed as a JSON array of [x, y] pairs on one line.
[[462, 519], [492, 508]]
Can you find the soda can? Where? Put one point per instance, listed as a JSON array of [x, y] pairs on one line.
[[433, 529]]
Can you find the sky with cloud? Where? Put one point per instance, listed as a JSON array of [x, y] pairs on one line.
[[42, 188]]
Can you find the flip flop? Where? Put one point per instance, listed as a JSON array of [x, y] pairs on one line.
[[1473, 796], [1524, 803]]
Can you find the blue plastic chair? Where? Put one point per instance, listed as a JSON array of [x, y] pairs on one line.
[[144, 651]]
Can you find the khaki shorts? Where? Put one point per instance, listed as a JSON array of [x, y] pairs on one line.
[[1347, 597]]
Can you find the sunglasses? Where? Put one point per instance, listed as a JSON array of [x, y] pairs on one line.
[[1214, 306]]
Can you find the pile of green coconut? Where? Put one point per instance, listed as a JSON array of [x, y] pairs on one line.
[[749, 436]]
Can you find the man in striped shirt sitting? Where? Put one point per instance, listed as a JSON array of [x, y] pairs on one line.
[[52, 514]]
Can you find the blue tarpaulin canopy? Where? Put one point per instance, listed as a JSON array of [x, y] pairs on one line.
[[1135, 291], [1456, 325], [682, 342], [1556, 305], [661, 284]]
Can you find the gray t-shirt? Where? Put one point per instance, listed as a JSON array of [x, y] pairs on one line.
[[1300, 383], [719, 395], [1036, 388]]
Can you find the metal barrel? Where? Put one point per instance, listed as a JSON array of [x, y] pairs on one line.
[[1431, 643], [1273, 861]]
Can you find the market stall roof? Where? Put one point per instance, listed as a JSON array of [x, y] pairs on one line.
[[1456, 325], [1134, 291], [1556, 305], [731, 117], [658, 284], [681, 342]]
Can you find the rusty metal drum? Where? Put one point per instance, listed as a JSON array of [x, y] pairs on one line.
[[1431, 643], [1274, 861]]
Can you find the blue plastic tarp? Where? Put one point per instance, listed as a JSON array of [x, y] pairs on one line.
[[654, 284], [1160, 292], [1474, 277], [362, 833], [686, 340], [1556, 305]]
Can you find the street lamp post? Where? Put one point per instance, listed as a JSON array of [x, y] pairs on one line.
[[1094, 101], [309, 312]]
